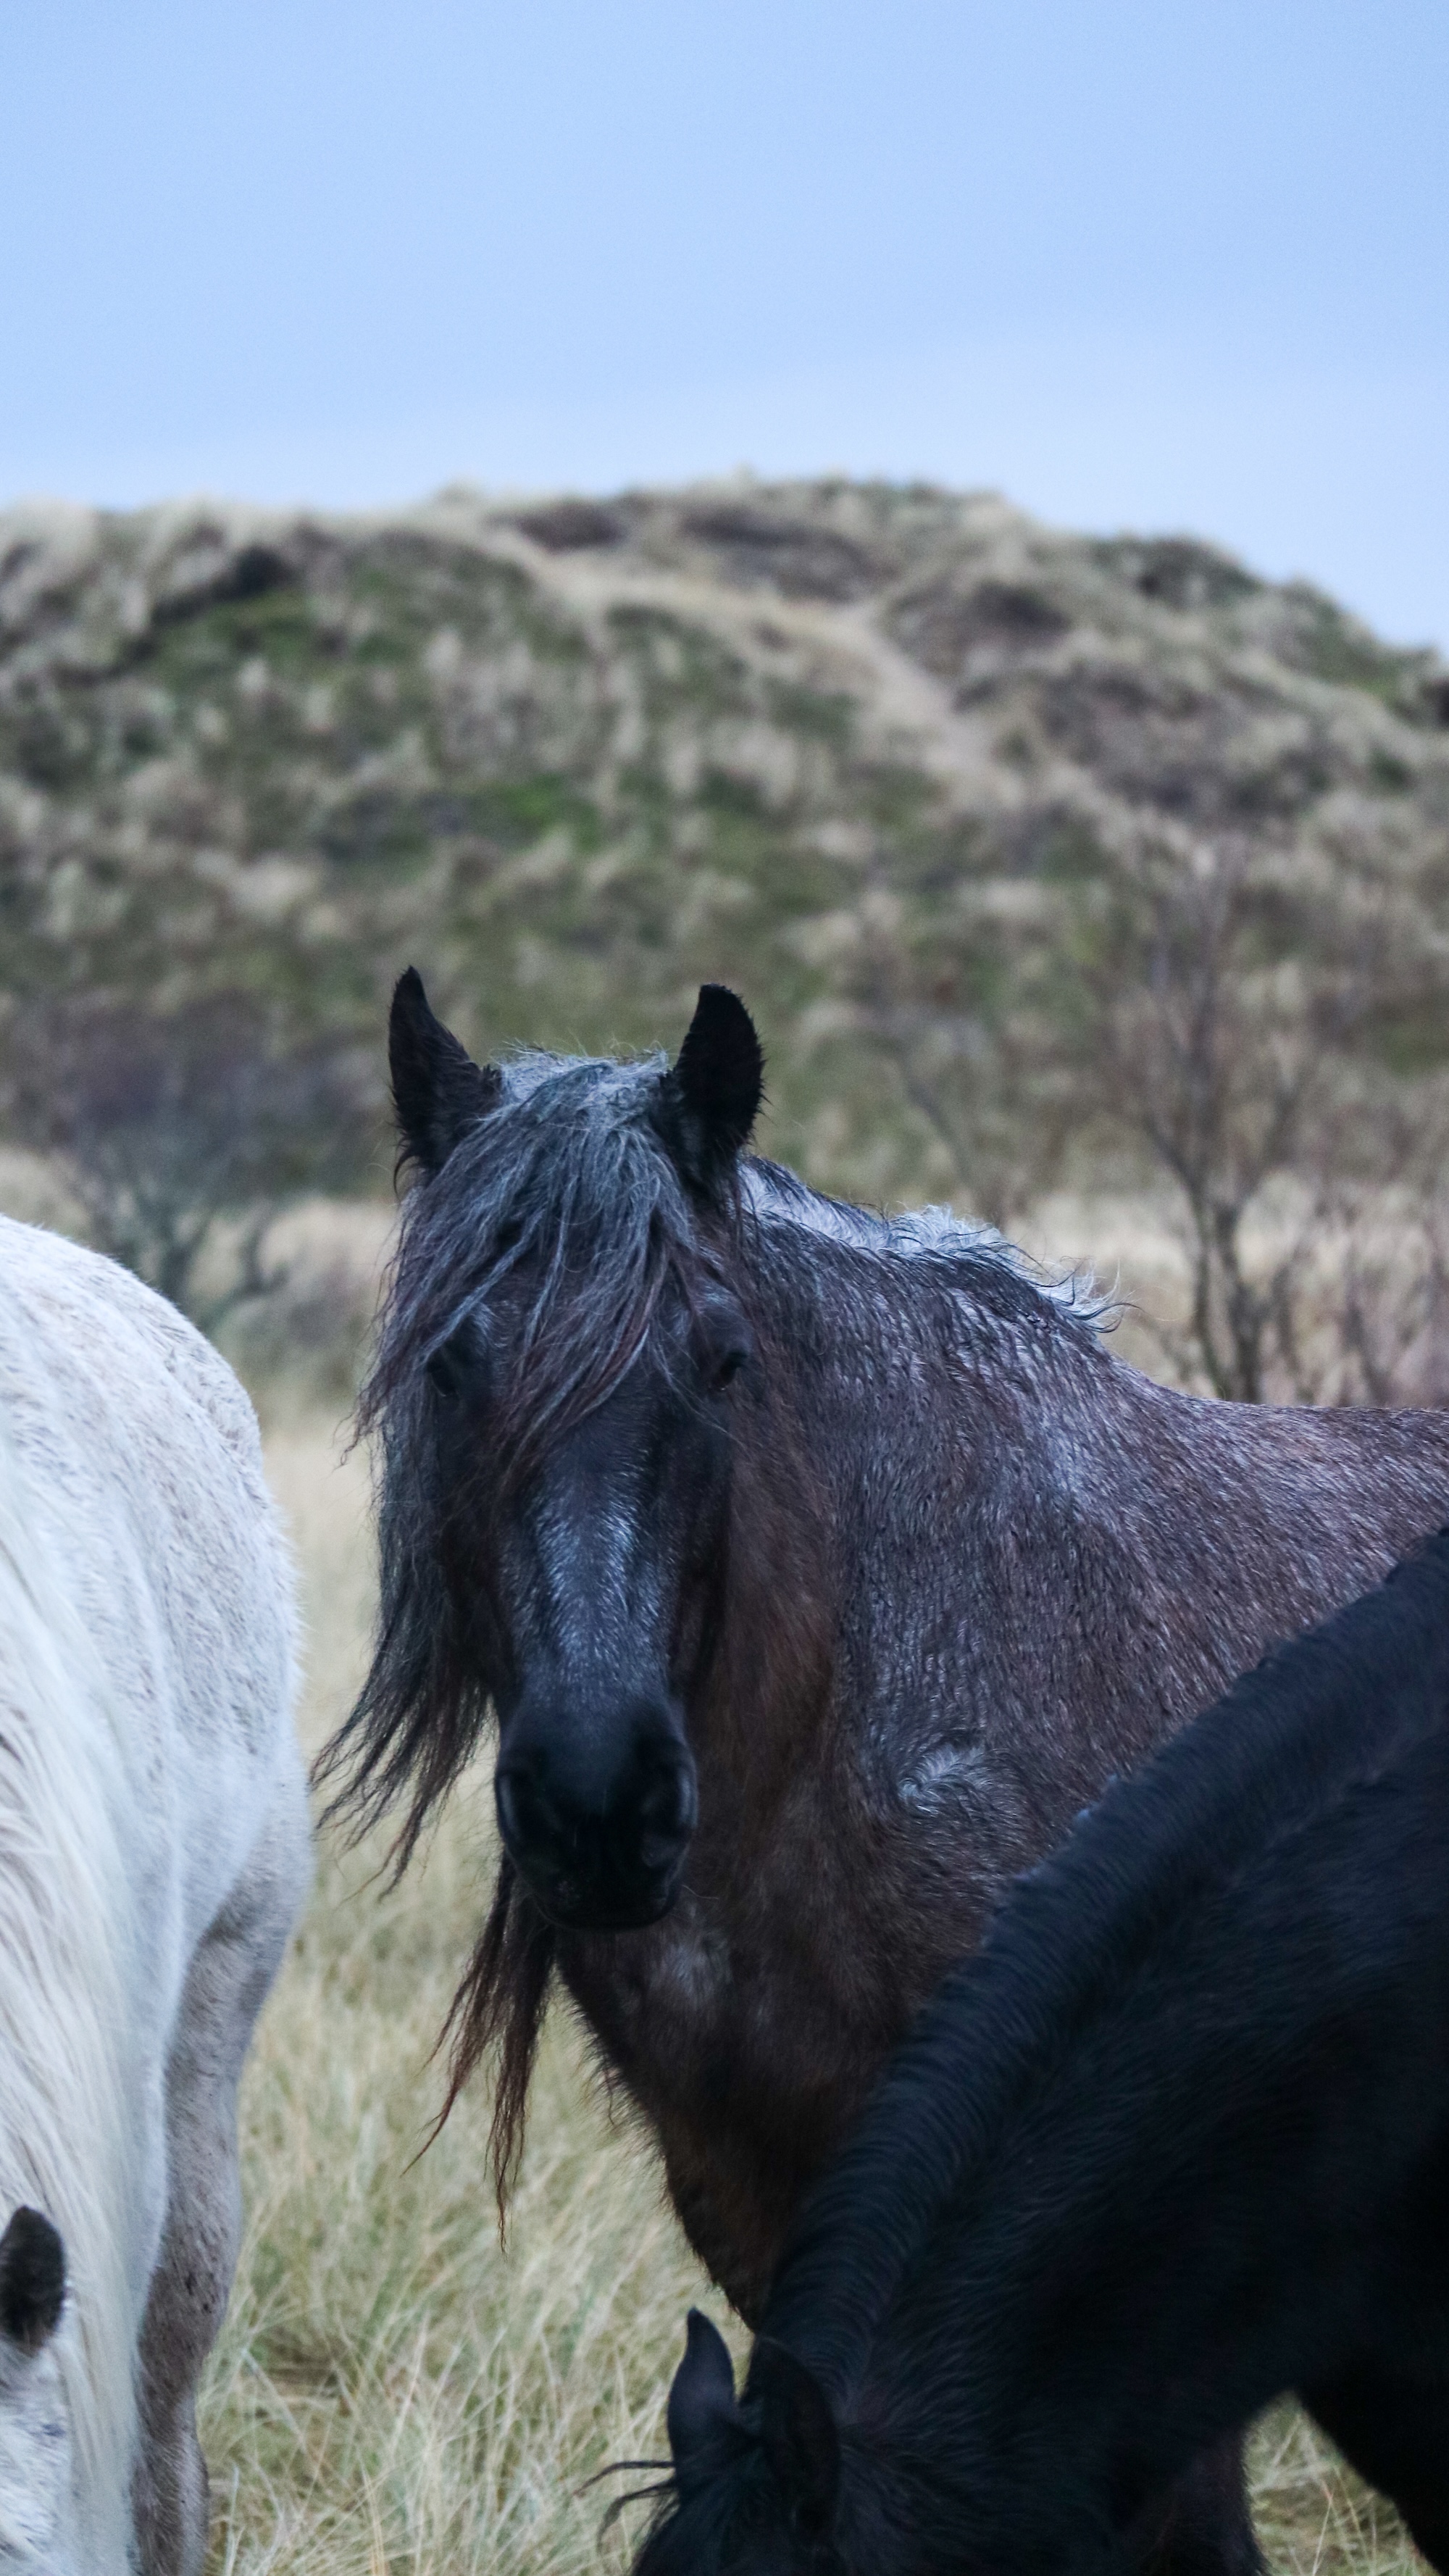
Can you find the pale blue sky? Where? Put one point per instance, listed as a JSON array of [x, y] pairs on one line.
[[1149, 263]]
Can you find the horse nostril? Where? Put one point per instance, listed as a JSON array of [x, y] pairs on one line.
[[505, 1800], [668, 1809], [525, 1818]]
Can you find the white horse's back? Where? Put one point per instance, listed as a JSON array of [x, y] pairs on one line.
[[153, 1853]]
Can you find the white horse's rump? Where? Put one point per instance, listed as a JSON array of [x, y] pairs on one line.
[[153, 1852]]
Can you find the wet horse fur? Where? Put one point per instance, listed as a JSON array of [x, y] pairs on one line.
[[1174, 2141], [817, 1568]]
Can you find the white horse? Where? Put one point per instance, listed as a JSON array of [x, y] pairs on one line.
[[153, 1855]]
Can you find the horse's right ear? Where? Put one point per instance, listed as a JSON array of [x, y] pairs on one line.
[[437, 1089], [709, 1099], [702, 2396], [32, 2280]]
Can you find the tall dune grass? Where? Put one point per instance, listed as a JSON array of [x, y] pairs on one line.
[[391, 2391]]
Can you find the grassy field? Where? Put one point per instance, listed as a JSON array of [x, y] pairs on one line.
[[392, 2392]]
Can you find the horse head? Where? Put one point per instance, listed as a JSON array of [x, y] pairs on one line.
[[581, 1368], [756, 2483]]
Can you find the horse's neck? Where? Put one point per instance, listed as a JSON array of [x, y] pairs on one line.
[[952, 1606], [981, 1583]]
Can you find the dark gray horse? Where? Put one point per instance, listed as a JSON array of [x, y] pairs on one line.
[[817, 1570]]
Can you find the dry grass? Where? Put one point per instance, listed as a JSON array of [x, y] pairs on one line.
[[391, 2392], [1314, 2519]]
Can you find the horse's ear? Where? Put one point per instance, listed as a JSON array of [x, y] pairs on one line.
[[32, 2280], [437, 1089], [702, 2396], [711, 1095], [798, 2436]]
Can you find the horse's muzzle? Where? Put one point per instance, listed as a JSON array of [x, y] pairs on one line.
[[600, 1843]]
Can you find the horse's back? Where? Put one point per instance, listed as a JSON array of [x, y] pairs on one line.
[[135, 1514], [153, 1824], [142, 1466]]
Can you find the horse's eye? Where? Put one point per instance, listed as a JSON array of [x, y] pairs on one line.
[[729, 1346], [723, 1342], [457, 1363]]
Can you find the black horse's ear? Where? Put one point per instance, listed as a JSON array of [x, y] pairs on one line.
[[32, 2279], [437, 1089], [711, 1095], [798, 2436], [703, 2394]]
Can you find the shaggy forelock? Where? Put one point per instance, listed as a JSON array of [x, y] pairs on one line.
[[565, 1202], [567, 1193]]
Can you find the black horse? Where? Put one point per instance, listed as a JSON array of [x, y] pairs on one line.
[[818, 1569], [1175, 2140]]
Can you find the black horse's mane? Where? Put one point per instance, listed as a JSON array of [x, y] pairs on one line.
[[566, 1197]]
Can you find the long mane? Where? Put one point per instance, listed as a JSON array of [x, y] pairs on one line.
[[566, 1188], [564, 1197], [66, 2125]]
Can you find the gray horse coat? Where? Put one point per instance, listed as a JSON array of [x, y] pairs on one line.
[[153, 1854]]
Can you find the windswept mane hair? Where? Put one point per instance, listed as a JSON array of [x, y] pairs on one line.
[[565, 1192], [565, 1199], [67, 2143]]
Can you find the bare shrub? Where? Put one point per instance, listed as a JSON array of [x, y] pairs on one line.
[[306, 1341], [1369, 1322], [1240, 1045], [183, 1135], [1230, 1019]]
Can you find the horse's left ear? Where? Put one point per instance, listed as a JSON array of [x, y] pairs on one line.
[[702, 2396], [709, 1099], [798, 2436], [437, 1089]]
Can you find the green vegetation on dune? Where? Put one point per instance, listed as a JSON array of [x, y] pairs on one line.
[[892, 759]]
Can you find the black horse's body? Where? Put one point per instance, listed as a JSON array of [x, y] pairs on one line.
[[1176, 2140], [817, 1570]]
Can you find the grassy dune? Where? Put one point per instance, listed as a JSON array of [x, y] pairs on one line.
[[391, 2392], [912, 770]]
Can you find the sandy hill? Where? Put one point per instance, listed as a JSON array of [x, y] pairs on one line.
[[903, 764]]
